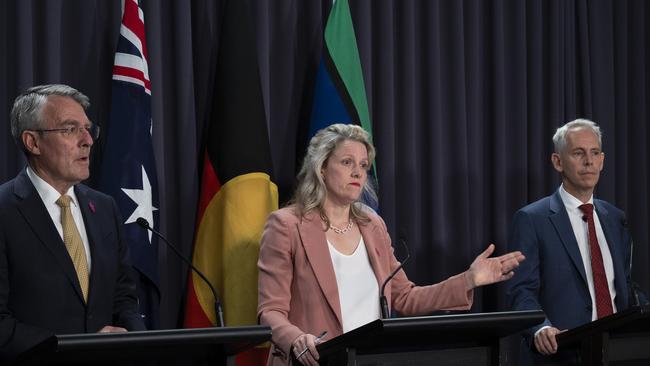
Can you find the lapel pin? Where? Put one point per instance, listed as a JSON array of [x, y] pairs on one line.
[[91, 205]]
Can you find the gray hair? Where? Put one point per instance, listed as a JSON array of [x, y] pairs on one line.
[[26, 113], [311, 191], [559, 139]]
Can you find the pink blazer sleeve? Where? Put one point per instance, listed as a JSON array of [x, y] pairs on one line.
[[409, 299], [275, 276]]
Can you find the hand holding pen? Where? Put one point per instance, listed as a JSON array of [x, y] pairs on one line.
[[304, 348]]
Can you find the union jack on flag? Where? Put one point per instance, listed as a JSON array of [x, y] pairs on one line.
[[131, 55], [128, 171]]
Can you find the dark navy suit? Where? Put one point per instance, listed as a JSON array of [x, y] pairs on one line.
[[552, 278], [40, 294]]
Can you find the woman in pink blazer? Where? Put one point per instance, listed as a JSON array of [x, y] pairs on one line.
[[323, 258]]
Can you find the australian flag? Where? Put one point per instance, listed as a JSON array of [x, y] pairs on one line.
[[128, 171]]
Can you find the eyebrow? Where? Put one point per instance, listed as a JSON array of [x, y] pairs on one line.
[[74, 122], [586, 147], [348, 154]]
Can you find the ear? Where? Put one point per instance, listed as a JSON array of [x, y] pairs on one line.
[[557, 162], [31, 142], [602, 161]]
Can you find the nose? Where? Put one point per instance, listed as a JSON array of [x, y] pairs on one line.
[[86, 138], [355, 171]]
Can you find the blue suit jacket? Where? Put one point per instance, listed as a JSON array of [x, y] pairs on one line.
[[552, 278], [40, 294]]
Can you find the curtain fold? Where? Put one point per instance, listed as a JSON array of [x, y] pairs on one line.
[[464, 98]]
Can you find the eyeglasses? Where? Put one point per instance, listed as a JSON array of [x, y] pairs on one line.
[[93, 130]]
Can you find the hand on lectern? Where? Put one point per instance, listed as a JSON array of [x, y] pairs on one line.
[[112, 329], [545, 342], [304, 348]]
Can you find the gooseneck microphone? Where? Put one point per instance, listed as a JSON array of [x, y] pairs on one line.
[[634, 287], [217, 303], [383, 302]]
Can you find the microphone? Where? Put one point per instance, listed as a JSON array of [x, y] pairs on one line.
[[218, 311], [634, 287], [383, 302]]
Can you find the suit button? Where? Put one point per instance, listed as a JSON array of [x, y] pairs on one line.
[[588, 308]]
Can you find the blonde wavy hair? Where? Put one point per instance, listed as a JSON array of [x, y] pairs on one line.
[[311, 190]]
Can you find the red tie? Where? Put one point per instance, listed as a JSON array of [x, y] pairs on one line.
[[603, 299]]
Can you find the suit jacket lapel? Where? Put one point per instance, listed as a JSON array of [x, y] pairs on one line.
[[609, 228], [92, 230], [560, 219], [315, 243], [38, 218]]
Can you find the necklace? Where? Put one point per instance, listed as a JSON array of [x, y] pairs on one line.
[[342, 231]]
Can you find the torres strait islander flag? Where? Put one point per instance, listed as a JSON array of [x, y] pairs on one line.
[[128, 170], [340, 92], [237, 193]]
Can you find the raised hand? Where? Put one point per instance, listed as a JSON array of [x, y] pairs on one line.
[[485, 270]]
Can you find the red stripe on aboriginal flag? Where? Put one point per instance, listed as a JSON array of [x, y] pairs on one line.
[[194, 315], [210, 185]]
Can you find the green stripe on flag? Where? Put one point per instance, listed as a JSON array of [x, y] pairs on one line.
[[341, 42]]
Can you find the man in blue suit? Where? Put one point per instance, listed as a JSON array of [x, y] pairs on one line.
[[63, 261], [577, 248]]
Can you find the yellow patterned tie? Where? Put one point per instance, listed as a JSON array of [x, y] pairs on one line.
[[74, 244]]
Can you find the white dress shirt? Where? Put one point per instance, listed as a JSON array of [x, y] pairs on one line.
[[357, 284], [49, 196], [581, 232]]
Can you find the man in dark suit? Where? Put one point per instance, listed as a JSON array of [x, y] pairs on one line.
[[63, 262], [577, 248]]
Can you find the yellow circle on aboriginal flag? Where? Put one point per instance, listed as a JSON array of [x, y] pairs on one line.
[[227, 246]]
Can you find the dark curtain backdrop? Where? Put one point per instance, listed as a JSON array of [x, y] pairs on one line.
[[464, 96]]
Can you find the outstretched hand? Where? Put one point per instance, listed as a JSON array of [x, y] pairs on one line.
[[485, 270]]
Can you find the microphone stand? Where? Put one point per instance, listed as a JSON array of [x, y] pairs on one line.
[[218, 311], [383, 302]]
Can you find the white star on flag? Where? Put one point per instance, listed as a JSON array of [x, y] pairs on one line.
[[142, 197]]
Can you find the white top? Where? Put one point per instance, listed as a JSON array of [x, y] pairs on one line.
[[49, 195], [357, 284], [581, 231]]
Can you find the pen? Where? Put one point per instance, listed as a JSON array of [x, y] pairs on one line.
[[321, 336]]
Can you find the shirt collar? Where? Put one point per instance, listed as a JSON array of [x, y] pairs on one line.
[[571, 202], [48, 194]]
